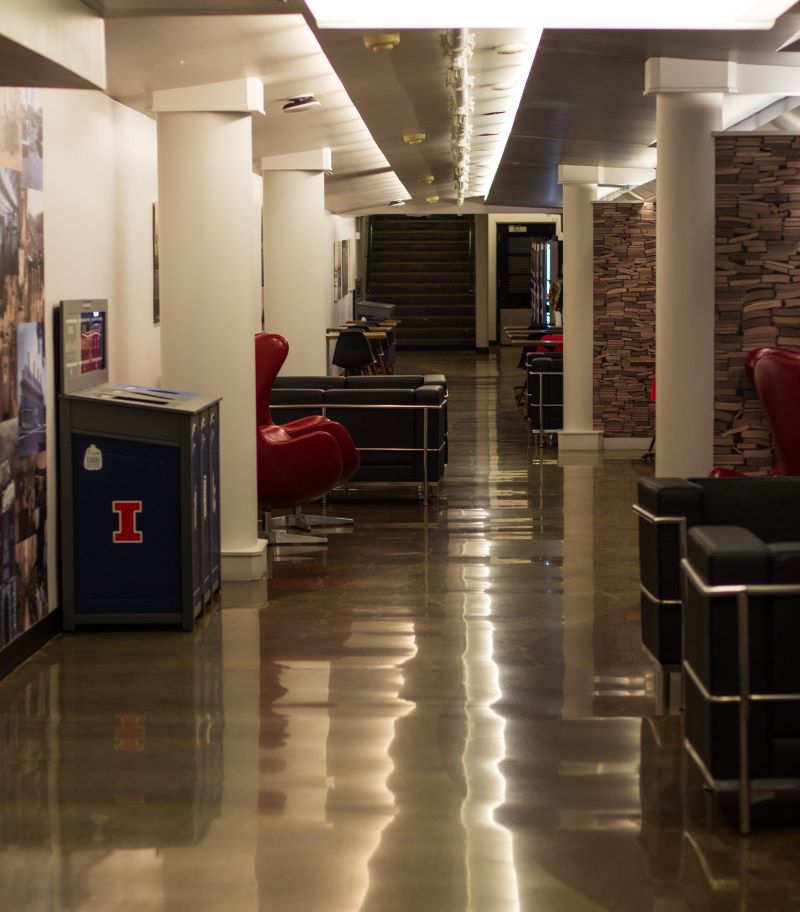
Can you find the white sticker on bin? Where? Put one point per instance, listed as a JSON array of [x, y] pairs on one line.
[[93, 459]]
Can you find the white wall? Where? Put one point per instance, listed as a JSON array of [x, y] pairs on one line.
[[99, 187]]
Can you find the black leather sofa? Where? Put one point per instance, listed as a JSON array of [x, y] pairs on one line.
[[398, 422], [741, 673], [667, 508]]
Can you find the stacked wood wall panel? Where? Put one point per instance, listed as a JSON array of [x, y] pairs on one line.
[[757, 297], [624, 317]]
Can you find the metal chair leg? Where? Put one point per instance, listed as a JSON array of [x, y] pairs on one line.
[[278, 537], [308, 521]]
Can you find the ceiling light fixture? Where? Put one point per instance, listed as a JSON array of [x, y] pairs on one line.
[[381, 42], [300, 103], [414, 139], [508, 49], [397, 202], [502, 87], [432, 199], [458, 45], [427, 179]]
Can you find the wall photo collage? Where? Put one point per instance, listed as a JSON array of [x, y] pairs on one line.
[[23, 571]]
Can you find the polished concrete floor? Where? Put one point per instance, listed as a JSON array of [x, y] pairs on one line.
[[446, 710]]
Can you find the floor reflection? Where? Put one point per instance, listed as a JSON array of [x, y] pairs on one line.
[[491, 871], [330, 703], [105, 769], [446, 710]]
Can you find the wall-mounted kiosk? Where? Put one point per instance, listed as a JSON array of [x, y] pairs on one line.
[[139, 476]]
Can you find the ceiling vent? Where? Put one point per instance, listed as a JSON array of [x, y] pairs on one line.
[[300, 103]]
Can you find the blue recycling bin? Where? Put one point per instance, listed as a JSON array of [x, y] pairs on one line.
[[140, 535]]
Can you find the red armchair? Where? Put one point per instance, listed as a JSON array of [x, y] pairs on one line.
[[775, 373], [298, 462], [556, 338]]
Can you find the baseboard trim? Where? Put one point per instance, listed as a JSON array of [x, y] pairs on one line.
[[579, 440], [245, 565], [29, 642], [482, 350], [626, 443]]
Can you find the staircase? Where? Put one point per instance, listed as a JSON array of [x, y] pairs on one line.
[[425, 267]]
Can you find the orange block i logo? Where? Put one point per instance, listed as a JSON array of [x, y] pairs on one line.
[[127, 512]]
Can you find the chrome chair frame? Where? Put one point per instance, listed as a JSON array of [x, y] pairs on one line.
[[745, 785], [540, 431], [669, 681], [426, 485]]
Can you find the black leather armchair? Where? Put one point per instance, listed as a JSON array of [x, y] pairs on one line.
[[741, 673], [667, 508]]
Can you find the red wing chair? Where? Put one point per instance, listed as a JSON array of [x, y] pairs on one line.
[[775, 373], [296, 462]]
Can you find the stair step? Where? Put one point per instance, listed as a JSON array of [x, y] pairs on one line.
[[390, 269], [411, 326], [425, 300], [453, 311], [420, 289], [439, 338], [430, 250], [435, 332]]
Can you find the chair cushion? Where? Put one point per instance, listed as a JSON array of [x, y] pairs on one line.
[[384, 381], [766, 506]]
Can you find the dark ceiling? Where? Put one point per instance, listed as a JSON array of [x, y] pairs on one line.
[[583, 103]]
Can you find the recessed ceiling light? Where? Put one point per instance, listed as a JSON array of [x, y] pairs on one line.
[[507, 49], [397, 202], [431, 199], [414, 139], [300, 103], [492, 113], [502, 87], [427, 179], [380, 42], [488, 134]]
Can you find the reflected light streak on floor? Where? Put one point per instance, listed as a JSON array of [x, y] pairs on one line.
[[491, 872]]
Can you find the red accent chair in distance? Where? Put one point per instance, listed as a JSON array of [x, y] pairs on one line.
[[298, 462]]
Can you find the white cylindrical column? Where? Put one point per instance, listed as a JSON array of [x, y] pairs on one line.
[[207, 275], [578, 318], [298, 269], [685, 282]]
